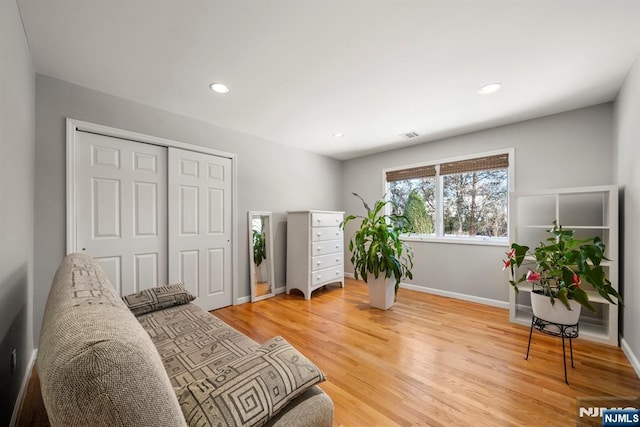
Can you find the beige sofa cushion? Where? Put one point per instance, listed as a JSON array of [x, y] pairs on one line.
[[154, 299], [250, 390], [192, 343], [97, 365]]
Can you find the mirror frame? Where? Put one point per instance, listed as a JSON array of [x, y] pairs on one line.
[[269, 259]]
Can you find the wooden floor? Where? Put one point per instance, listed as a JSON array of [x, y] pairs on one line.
[[434, 361], [428, 361]]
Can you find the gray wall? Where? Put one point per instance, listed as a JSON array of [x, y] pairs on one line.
[[563, 150], [271, 176], [17, 115], [626, 125]]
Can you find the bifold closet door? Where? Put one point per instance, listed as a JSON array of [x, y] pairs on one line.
[[121, 209], [200, 225]]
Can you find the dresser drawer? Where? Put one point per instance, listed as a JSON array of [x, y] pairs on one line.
[[326, 261], [328, 275], [326, 247], [326, 219], [320, 234]]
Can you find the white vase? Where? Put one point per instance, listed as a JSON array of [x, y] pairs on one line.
[[382, 292], [556, 313]]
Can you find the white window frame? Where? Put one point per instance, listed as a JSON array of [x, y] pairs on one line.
[[440, 237]]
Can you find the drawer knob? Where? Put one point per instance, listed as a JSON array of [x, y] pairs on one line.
[[319, 277], [319, 248], [337, 233], [337, 246], [319, 262], [337, 259], [319, 234], [337, 272]]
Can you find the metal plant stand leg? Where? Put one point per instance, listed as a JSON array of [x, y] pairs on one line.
[[556, 330], [529, 345], [564, 360], [571, 349]]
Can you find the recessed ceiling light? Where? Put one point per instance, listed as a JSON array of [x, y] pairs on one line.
[[490, 88], [219, 88], [338, 135]]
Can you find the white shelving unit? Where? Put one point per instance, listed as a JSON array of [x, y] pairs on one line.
[[590, 211]]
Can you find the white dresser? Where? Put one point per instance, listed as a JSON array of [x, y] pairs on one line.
[[315, 255]]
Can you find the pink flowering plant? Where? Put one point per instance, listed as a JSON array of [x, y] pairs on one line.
[[562, 263]]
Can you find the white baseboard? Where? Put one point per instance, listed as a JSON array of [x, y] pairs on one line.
[[23, 389], [456, 295], [281, 290], [633, 359]]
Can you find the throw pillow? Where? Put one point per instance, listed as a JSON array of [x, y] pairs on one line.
[[250, 390], [153, 299]]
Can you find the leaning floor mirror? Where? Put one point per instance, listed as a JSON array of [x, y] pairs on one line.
[[260, 256]]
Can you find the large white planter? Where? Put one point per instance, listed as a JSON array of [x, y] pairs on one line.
[[382, 292], [261, 272], [556, 313]]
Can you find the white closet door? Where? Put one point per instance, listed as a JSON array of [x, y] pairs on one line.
[[121, 209], [200, 226]]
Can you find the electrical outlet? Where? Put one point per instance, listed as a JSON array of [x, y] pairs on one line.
[[14, 360]]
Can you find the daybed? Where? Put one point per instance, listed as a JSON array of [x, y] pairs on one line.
[[173, 364]]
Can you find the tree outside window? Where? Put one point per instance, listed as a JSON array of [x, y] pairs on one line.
[[416, 200], [467, 198], [475, 203]]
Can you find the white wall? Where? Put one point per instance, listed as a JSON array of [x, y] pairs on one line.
[[563, 150], [271, 176], [626, 126], [17, 112]]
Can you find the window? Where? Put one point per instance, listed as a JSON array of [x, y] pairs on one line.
[[465, 199]]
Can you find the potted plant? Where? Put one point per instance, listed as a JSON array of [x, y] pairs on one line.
[[376, 249], [561, 265], [259, 253]]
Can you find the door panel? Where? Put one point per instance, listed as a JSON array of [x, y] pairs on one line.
[[124, 220], [121, 208], [189, 210], [106, 208], [112, 266], [216, 212], [200, 225], [215, 268], [188, 270], [146, 270]]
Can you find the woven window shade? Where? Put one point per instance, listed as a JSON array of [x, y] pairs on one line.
[[411, 173], [499, 161]]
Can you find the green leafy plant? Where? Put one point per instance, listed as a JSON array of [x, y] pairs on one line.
[[376, 246], [259, 247], [561, 264]]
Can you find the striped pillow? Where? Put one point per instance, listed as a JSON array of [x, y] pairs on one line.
[[250, 390], [153, 299]]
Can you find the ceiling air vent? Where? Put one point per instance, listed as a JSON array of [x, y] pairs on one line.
[[409, 135]]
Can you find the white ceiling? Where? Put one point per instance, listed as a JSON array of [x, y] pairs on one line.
[[302, 70]]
